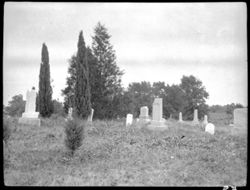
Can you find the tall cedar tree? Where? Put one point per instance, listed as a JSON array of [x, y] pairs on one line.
[[108, 74], [68, 92], [82, 96], [45, 105]]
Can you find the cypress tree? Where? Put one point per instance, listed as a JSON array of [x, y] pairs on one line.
[[82, 94], [45, 105]]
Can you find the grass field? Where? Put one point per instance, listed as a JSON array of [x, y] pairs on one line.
[[115, 155]]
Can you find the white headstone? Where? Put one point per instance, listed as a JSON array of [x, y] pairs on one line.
[[129, 119], [210, 128], [91, 115], [195, 120], [30, 116], [157, 109], [157, 120], [180, 117]]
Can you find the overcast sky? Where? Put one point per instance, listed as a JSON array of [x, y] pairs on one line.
[[153, 42]]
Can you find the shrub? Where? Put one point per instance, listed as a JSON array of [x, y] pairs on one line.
[[74, 131]]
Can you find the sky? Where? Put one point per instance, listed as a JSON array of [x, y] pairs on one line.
[[153, 42]]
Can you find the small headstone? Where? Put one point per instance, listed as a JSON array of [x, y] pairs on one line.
[[144, 114], [180, 117], [129, 119], [195, 119], [91, 115], [210, 128], [30, 116]]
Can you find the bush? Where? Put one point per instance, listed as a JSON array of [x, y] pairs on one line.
[[74, 131]]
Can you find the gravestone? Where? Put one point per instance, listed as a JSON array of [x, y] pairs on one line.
[[180, 117], [157, 120], [129, 119], [90, 117], [195, 119], [210, 128], [30, 116], [240, 121], [144, 114]]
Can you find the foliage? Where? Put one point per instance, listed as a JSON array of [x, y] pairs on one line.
[[195, 95], [74, 131], [107, 74], [82, 96], [16, 106], [68, 92], [58, 108], [45, 105]]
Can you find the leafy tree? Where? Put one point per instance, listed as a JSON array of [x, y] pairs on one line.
[[82, 96], [141, 95], [45, 105], [107, 74], [16, 106], [195, 95], [174, 101]]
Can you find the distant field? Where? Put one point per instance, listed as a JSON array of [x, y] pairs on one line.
[[115, 155]]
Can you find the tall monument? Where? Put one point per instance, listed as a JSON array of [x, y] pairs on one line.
[[30, 116]]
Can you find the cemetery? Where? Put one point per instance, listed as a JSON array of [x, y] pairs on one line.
[[156, 133]]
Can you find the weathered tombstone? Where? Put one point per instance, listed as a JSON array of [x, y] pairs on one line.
[[210, 128], [180, 117], [90, 117], [30, 116], [240, 121], [157, 120], [129, 119], [195, 120], [144, 114]]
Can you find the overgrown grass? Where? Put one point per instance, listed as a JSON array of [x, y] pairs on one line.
[[115, 155]]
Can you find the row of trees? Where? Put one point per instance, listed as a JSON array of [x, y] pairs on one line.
[[95, 82]]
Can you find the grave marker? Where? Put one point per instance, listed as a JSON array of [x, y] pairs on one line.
[[30, 116]]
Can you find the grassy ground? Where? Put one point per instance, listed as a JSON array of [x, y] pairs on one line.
[[115, 155]]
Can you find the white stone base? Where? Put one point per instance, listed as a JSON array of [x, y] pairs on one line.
[[29, 121], [30, 115]]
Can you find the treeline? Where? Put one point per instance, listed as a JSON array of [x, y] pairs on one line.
[[94, 81]]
